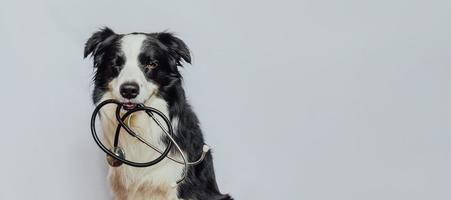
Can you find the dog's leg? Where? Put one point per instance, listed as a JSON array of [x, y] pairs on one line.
[[119, 190], [149, 192]]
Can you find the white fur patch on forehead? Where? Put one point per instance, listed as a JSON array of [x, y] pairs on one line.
[[131, 45]]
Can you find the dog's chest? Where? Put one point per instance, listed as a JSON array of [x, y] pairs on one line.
[[133, 179]]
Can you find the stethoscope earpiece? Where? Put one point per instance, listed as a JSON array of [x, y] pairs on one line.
[[205, 148]]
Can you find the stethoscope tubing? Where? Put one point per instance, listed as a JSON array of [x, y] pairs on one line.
[[119, 155], [121, 124]]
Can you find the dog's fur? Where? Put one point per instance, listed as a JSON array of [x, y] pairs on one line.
[[125, 58]]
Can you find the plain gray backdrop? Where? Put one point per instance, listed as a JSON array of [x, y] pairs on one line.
[[315, 100]]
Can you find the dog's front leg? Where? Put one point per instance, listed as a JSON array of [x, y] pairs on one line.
[[148, 192], [119, 190]]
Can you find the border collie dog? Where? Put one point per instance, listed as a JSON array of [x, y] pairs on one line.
[[143, 68]]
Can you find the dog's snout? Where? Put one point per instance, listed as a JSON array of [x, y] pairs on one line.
[[129, 90]]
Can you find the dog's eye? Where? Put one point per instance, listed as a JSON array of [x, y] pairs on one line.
[[151, 65], [116, 68]]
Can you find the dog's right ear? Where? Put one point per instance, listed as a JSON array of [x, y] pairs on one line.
[[94, 42]]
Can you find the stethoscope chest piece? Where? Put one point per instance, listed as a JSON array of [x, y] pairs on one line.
[[113, 162]]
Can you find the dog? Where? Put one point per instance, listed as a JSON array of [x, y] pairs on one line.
[[143, 68]]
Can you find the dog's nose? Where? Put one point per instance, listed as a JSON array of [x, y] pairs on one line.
[[129, 90]]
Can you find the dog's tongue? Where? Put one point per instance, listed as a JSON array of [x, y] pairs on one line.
[[129, 105]]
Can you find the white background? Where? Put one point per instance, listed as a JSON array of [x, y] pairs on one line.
[[317, 100]]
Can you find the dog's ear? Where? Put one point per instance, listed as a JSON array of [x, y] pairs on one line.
[[95, 41], [176, 47]]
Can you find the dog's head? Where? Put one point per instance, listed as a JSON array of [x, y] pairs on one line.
[[133, 67]]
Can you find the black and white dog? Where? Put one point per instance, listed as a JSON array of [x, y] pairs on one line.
[[143, 68]]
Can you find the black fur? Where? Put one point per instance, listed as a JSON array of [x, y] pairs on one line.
[[169, 51]]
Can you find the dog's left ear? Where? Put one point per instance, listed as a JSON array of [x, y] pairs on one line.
[[176, 47]]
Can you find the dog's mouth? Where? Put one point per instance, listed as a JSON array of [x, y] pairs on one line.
[[129, 105]]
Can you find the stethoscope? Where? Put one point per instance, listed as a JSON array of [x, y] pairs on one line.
[[116, 156]]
